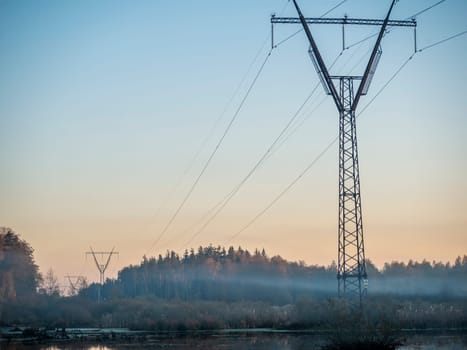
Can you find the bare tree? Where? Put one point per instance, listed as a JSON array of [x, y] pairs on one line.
[[50, 284]]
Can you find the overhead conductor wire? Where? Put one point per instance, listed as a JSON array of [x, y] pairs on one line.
[[326, 149], [410, 17], [227, 129], [211, 132], [277, 143], [216, 148], [270, 150], [220, 205]]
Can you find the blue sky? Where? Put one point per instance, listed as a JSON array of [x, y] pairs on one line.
[[103, 105]]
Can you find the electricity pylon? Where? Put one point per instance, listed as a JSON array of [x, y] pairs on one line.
[[102, 267], [351, 269], [76, 283]]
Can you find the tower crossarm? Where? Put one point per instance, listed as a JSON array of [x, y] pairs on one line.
[[101, 267], [345, 21]]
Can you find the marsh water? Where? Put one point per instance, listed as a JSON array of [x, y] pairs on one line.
[[239, 340]]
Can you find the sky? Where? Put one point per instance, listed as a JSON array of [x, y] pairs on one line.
[[110, 109]]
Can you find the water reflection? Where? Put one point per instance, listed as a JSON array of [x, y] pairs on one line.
[[239, 341]]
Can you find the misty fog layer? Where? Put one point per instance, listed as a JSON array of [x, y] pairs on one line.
[[216, 273], [218, 288]]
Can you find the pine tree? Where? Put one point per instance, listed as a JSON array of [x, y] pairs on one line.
[[19, 275]]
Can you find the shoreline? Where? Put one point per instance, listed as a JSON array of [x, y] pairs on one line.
[[121, 336]]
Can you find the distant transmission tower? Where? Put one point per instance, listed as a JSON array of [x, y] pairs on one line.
[[75, 283], [101, 266], [351, 274]]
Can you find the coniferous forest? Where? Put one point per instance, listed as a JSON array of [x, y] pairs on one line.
[[218, 287]]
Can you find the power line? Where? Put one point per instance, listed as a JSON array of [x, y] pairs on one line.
[[213, 128], [333, 8], [326, 149], [211, 132], [412, 16], [386, 84], [288, 38], [362, 40], [442, 41], [271, 149], [229, 195], [314, 161], [232, 193], [284, 191], [201, 219], [427, 9], [227, 129], [233, 96], [307, 115], [299, 124]]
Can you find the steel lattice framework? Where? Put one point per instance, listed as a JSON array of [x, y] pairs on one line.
[[351, 253], [351, 274], [101, 266]]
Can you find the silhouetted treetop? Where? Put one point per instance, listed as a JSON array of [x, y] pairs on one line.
[[19, 274], [232, 274]]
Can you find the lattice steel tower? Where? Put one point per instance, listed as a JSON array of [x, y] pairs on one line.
[[351, 272], [101, 267]]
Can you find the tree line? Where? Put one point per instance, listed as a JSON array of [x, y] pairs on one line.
[[217, 287], [225, 274], [235, 274]]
